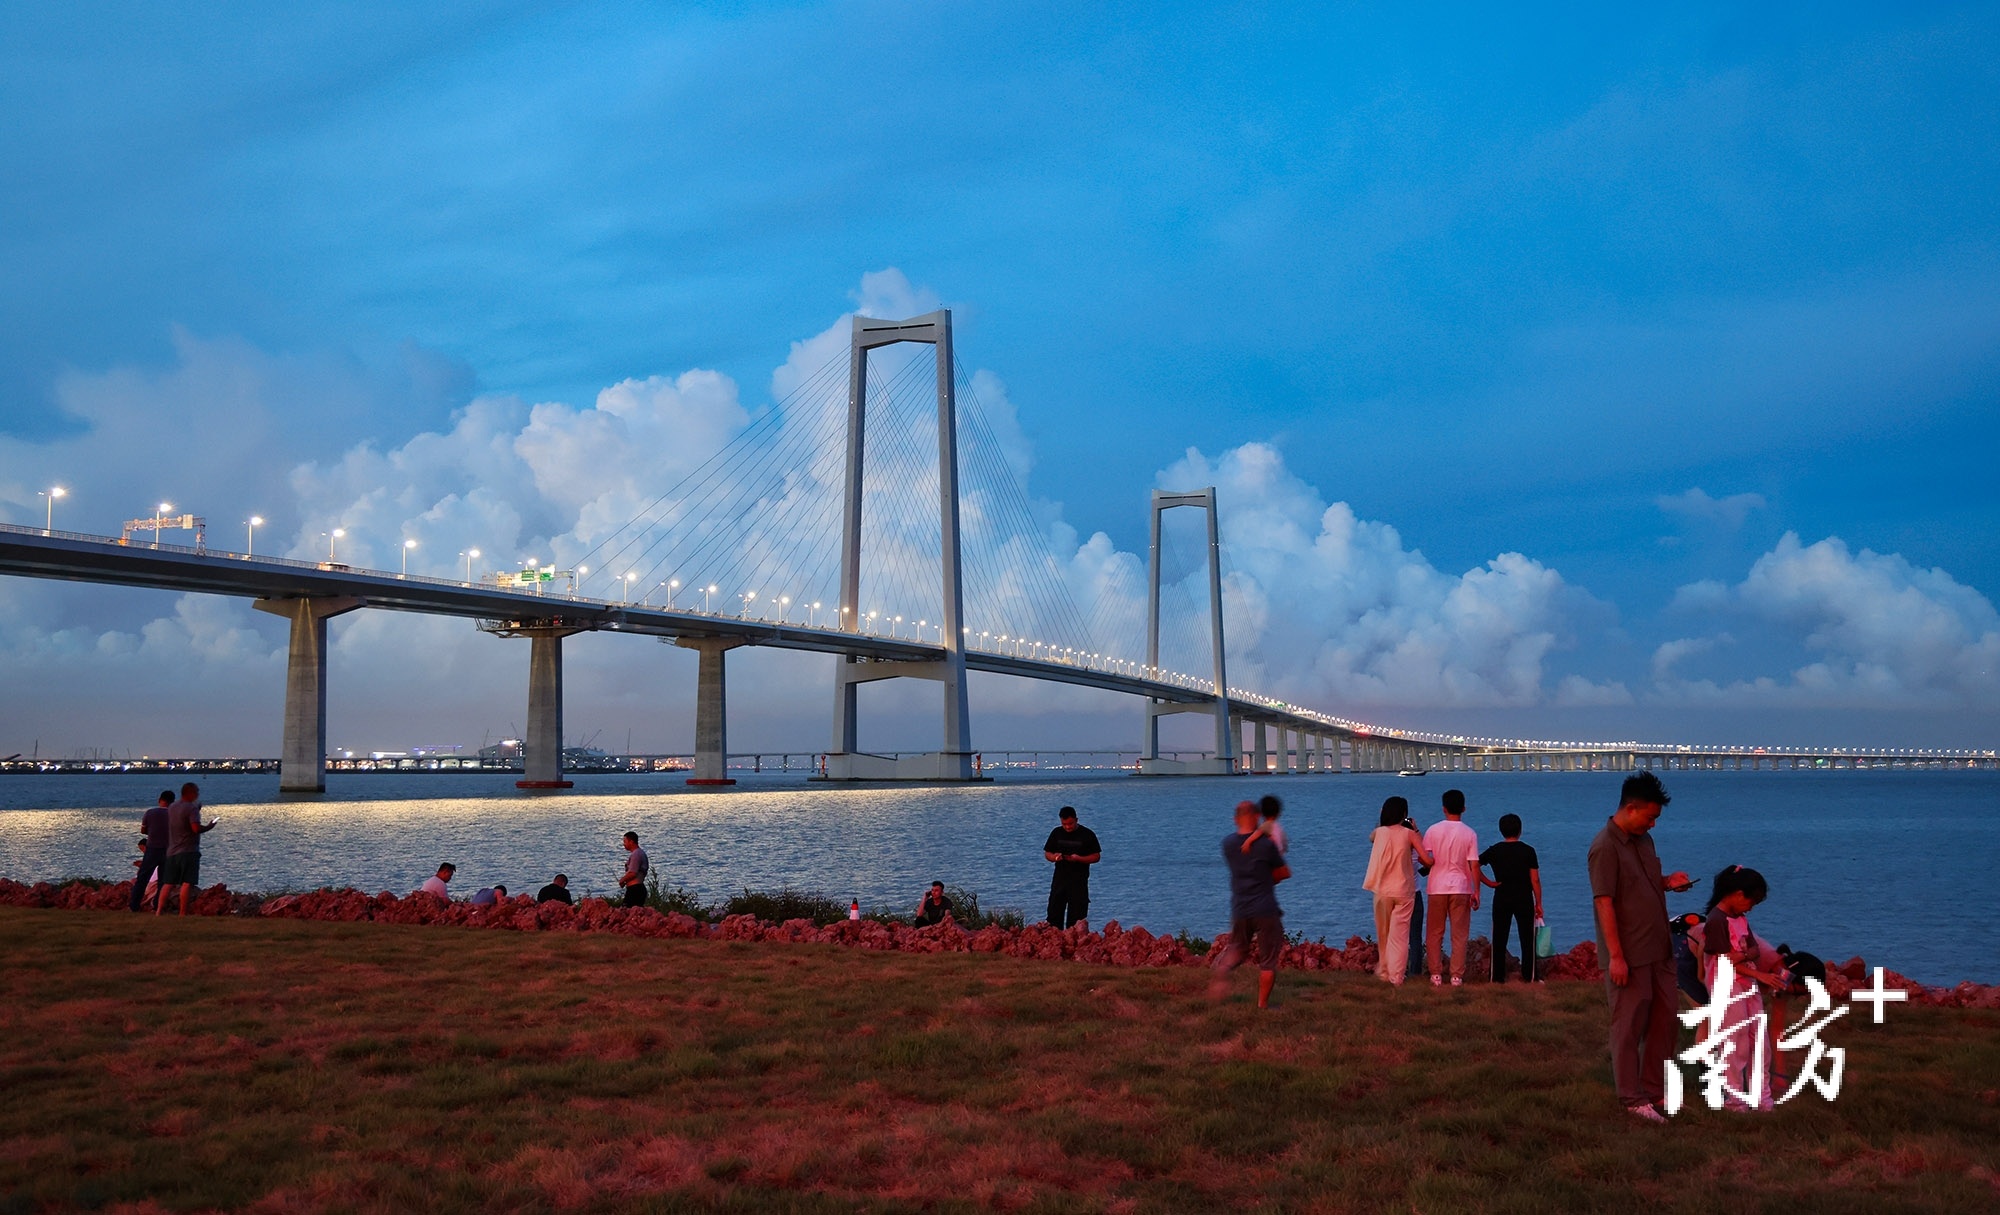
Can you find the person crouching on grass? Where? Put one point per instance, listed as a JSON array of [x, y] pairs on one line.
[[1255, 919]]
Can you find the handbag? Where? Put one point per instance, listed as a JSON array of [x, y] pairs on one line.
[[1545, 941]]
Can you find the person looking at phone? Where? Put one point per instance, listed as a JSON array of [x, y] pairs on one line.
[[1635, 945], [182, 865]]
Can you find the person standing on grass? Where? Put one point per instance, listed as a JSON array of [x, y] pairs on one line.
[[182, 864], [1256, 922], [1517, 896], [1635, 945], [557, 891], [1454, 887], [154, 828], [1392, 877], [636, 867], [1074, 849], [439, 883], [1418, 962]]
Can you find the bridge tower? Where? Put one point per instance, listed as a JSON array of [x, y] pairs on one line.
[[1224, 762], [954, 761]]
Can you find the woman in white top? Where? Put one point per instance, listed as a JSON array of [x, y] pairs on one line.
[[1392, 876]]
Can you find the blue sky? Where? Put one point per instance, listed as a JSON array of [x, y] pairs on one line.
[[1515, 283]]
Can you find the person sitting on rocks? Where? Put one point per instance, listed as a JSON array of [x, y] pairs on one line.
[[489, 896], [437, 883], [934, 906], [557, 891]]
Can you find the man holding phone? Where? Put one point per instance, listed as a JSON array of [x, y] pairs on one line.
[[1635, 946], [182, 866]]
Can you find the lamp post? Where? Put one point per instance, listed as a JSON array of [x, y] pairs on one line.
[[707, 599], [784, 609], [576, 578], [673, 584], [331, 536], [815, 613], [250, 527], [51, 493], [469, 554], [164, 508], [749, 597], [407, 546], [625, 592]]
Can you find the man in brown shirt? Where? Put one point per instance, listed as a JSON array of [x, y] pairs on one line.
[[1634, 945]]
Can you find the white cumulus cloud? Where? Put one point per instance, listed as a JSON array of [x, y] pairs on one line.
[[1881, 631]]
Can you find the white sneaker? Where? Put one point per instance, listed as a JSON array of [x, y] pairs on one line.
[[1437, 980], [1457, 982]]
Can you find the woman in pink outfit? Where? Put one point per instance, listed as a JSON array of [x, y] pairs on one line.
[[1392, 877]]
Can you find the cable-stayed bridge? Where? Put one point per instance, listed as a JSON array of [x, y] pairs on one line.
[[877, 513]]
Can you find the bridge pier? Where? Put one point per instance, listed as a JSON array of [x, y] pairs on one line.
[[303, 763], [541, 749], [711, 709]]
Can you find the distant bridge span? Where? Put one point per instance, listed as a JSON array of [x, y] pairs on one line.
[[1293, 739], [1284, 737]]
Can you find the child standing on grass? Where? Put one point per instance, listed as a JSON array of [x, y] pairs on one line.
[[1727, 933]]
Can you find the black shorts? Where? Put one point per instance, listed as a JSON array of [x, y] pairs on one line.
[[181, 869]]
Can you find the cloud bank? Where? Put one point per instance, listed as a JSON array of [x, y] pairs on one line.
[[1324, 608]]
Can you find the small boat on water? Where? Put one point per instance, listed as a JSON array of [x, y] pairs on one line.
[[1414, 772]]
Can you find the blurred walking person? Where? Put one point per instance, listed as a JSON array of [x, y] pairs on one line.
[[1256, 922]]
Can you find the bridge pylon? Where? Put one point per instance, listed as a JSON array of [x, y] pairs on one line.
[[1224, 762], [954, 760]]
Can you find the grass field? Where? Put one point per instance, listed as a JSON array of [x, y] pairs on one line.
[[278, 1066]]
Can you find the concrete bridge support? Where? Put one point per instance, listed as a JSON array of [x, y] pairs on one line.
[[711, 709], [303, 761], [541, 750]]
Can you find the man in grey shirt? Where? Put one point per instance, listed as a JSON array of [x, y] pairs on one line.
[[1635, 946], [634, 877], [182, 866]]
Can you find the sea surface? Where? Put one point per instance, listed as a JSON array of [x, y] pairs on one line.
[[1897, 866]]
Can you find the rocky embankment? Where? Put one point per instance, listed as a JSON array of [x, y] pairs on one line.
[[1114, 946]]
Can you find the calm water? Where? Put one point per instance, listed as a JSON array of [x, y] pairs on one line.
[[1883, 864]]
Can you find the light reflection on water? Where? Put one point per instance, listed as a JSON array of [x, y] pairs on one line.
[[1859, 862]]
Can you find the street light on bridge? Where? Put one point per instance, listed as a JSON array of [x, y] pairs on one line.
[[469, 554], [707, 596], [407, 546], [250, 534], [331, 536], [673, 584], [164, 508], [51, 493], [625, 591]]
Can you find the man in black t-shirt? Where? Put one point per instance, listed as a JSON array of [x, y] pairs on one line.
[[556, 891], [153, 825], [1517, 896], [1074, 850], [933, 907]]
